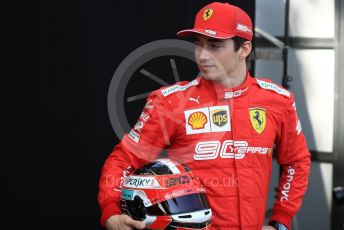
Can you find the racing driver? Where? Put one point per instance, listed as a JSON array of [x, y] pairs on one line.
[[224, 125]]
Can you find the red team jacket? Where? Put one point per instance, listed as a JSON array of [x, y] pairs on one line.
[[226, 136]]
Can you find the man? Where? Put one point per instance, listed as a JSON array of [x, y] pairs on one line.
[[224, 126]]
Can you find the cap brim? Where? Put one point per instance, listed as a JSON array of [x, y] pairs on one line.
[[216, 34]]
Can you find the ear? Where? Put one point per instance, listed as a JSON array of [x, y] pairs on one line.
[[245, 49]]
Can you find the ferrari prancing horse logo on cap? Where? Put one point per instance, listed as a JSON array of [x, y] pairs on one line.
[[207, 14], [258, 119]]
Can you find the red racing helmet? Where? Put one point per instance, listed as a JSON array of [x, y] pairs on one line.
[[166, 195]]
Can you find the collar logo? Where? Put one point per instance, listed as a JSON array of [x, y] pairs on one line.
[[258, 119], [207, 14], [235, 93], [220, 117], [197, 120]]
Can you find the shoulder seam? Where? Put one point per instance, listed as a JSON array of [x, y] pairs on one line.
[[175, 88], [273, 87]]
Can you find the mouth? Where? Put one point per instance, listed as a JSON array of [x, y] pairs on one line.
[[206, 67]]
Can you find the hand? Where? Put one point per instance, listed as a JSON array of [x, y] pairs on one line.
[[268, 228], [123, 222]]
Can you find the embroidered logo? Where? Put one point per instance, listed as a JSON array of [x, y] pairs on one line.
[[258, 119], [194, 99], [175, 88], [273, 87], [207, 119], [197, 120], [207, 14], [220, 117]]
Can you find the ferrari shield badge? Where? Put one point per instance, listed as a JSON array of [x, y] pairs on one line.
[[258, 119], [207, 14]]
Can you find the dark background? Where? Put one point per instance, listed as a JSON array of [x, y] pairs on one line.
[[60, 57]]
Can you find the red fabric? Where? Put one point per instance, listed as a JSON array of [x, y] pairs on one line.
[[221, 20], [233, 165]]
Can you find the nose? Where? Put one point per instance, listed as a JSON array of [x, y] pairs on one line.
[[202, 53]]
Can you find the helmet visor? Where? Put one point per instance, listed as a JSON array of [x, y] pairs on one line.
[[188, 203]]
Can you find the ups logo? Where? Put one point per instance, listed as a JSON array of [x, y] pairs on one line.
[[219, 117]]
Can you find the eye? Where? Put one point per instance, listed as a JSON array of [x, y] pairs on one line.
[[214, 46], [197, 43], [198, 46]]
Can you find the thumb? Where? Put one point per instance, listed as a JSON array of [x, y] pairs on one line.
[[134, 223], [138, 224]]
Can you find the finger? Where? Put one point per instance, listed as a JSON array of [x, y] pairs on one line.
[[126, 219], [127, 223], [134, 223], [138, 224]]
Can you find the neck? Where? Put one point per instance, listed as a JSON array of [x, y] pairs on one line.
[[234, 79]]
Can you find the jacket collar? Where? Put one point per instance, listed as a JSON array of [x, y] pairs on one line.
[[224, 93]]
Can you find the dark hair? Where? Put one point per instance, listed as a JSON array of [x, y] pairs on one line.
[[238, 42]]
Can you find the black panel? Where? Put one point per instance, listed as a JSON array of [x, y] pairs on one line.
[[55, 130]]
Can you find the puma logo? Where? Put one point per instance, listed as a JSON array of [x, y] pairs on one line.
[[195, 100]]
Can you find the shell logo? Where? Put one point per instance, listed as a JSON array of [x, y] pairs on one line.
[[197, 120]]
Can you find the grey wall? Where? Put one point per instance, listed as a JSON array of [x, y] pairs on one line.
[[313, 72]]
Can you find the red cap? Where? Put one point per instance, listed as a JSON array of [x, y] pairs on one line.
[[221, 20]]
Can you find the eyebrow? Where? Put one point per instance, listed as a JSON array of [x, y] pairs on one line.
[[214, 40]]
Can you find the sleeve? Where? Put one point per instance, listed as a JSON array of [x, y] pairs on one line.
[[294, 158], [144, 143]]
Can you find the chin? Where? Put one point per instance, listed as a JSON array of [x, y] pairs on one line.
[[209, 76]]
